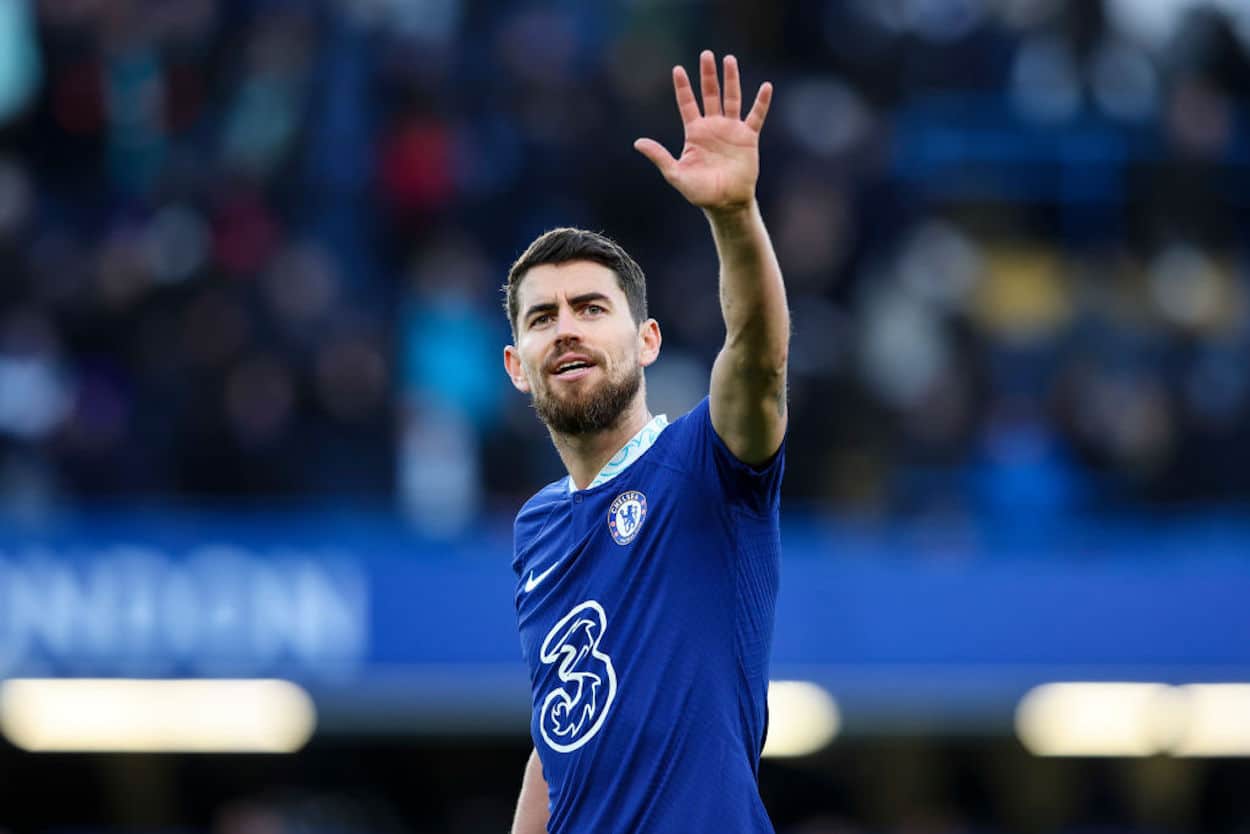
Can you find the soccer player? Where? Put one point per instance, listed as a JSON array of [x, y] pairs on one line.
[[647, 578]]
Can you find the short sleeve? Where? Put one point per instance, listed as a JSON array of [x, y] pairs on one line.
[[756, 489]]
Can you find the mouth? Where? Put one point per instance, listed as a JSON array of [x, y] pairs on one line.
[[570, 368]]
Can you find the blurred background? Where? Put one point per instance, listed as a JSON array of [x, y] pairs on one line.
[[254, 425]]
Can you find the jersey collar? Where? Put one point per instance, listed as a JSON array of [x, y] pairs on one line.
[[630, 452]]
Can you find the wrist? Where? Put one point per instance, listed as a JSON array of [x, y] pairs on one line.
[[734, 216]]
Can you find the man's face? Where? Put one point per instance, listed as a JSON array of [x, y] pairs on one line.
[[578, 351]]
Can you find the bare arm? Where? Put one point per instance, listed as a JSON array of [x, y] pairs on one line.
[[717, 172], [531, 808], [748, 393]]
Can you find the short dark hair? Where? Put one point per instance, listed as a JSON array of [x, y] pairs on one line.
[[567, 244]]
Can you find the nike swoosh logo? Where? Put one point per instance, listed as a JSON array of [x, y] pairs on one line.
[[532, 582]]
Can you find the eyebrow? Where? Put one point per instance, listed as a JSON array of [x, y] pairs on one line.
[[575, 301]]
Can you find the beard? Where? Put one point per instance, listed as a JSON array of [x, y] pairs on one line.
[[590, 411]]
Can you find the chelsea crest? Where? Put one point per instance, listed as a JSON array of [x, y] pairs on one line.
[[625, 516]]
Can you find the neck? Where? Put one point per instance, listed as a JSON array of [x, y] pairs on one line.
[[584, 455]]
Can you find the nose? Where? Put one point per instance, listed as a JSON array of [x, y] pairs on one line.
[[566, 323]]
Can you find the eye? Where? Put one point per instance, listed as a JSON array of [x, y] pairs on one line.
[[595, 309], [537, 320]]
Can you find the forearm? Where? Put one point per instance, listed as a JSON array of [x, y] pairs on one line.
[[531, 809], [752, 294], [748, 386]]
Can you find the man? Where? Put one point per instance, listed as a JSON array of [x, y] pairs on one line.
[[647, 577]]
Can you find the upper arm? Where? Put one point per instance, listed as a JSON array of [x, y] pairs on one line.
[[532, 812], [747, 402]]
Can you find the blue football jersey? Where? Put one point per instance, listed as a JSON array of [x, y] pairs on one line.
[[645, 605]]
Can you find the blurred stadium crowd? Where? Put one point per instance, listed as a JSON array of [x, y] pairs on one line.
[[253, 249], [880, 787]]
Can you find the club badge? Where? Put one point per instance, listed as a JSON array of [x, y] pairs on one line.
[[625, 516]]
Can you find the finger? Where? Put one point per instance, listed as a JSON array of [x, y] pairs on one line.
[[686, 105], [711, 87], [759, 110], [657, 153], [733, 88]]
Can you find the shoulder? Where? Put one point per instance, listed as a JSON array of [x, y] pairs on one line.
[[538, 507], [689, 429], [534, 516], [698, 449], [544, 497]]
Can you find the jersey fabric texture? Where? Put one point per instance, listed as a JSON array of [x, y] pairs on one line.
[[645, 605]]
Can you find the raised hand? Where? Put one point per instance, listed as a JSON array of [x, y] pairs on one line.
[[720, 160]]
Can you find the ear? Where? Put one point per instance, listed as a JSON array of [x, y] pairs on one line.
[[649, 342], [516, 371]]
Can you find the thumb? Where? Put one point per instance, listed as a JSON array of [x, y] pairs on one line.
[[654, 151]]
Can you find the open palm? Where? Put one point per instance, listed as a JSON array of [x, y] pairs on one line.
[[720, 160]]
